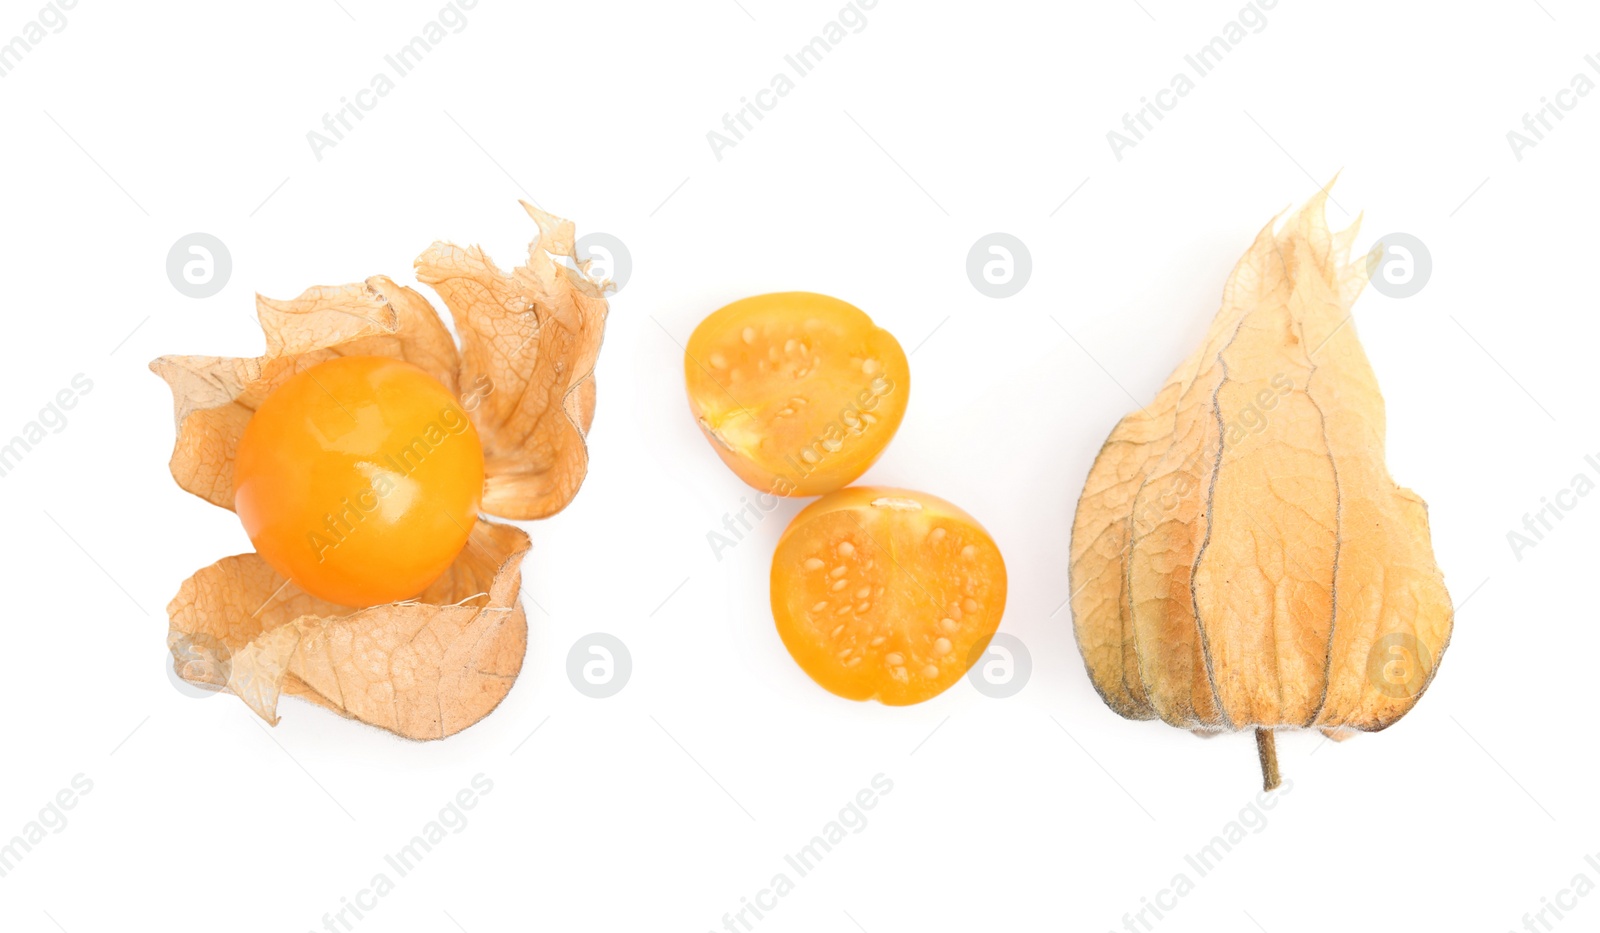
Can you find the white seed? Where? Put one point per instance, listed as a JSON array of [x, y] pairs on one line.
[[869, 366], [931, 671], [839, 571], [862, 608], [969, 552], [864, 592], [942, 646], [936, 535], [719, 361], [898, 503], [820, 606], [812, 563], [845, 548], [749, 335], [949, 625], [840, 584], [969, 604], [895, 658]]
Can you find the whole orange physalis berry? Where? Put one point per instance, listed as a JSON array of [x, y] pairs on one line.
[[359, 479]]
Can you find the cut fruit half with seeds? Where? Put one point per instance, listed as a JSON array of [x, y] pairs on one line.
[[798, 392], [886, 594]]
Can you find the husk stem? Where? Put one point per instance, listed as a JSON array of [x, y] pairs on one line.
[[1267, 749]]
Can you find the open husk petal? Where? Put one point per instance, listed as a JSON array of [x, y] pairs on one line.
[[214, 397], [423, 669], [529, 340]]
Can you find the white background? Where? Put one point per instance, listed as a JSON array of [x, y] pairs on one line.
[[662, 807]]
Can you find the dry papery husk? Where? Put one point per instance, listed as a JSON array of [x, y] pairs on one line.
[[1241, 558], [428, 667]]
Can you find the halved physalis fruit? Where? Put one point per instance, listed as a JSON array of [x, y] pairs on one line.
[[886, 594], [798, 392], [359, 479]]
